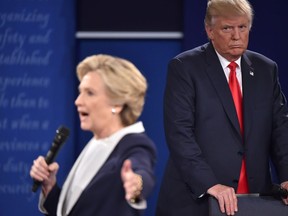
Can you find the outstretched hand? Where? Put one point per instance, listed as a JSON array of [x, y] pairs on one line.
[[132, 182]]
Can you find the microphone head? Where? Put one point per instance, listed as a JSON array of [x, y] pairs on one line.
[[61, 135]]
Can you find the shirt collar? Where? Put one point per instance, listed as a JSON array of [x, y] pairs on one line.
[[224, 62], [115, 137]]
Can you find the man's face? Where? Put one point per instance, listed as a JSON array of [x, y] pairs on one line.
[[229, 35]]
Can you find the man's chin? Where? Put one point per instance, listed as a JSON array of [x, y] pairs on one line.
[[236, 53], [237, 50]]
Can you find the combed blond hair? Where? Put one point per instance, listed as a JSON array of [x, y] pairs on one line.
[[124, 83], [216, 8]]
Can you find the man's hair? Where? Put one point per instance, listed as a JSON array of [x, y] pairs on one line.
[[216, 8]]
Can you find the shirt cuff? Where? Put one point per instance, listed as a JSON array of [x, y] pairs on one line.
[[142, 204], [201, 195], [41, 202]]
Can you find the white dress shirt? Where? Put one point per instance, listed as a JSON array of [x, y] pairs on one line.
[[226, 69]]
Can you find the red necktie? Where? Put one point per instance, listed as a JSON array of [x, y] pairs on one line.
[[237, 97]]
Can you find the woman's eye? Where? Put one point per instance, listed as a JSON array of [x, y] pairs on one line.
[[90, 93]]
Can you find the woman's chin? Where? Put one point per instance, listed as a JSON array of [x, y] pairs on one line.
[[84, 127]]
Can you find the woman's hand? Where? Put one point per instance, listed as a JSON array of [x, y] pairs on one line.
[[41, 171], [132, 182]]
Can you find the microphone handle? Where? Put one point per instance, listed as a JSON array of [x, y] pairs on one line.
[[60, 138], [36, 185], [49, 158], [277, 192]]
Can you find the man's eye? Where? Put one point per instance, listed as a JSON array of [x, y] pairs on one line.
[[243, 27], [227, 29]]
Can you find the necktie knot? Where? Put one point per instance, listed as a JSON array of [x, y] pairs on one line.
[[233, 66]]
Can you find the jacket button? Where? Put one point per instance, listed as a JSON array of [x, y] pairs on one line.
[[241, 153]]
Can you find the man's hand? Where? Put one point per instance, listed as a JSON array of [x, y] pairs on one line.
[[226, 198], [285, 186]]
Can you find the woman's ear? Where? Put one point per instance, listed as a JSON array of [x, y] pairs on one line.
[[116, 109]]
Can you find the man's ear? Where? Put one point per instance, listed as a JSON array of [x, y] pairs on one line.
[[209, 32]]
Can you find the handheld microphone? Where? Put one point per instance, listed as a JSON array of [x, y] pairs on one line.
[[62, 134], [279, 192]]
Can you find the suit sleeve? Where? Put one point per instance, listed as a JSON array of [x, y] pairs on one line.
[[51, 201], [280, 130], [142, 153], [179, 123]]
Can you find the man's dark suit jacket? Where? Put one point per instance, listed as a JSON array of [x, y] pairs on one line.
[[105, 194], [203, 134]]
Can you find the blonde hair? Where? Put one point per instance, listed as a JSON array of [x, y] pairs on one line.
[[217, 8], [124, 83]]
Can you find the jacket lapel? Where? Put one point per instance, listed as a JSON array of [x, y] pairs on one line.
[[219, 81], [249, 94], [91, 161]]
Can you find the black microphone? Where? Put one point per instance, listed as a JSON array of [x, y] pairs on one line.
[[62, 134], [277, 192]]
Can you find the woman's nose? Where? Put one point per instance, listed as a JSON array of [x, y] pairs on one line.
[[77, 101]]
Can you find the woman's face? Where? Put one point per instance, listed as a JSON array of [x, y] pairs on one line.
[[93, 104]]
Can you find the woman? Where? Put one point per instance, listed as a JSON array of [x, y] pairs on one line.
[[113, 175]]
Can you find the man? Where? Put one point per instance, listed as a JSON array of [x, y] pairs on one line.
[[219, 144]]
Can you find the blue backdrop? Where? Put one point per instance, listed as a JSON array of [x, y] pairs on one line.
[[38, 86]]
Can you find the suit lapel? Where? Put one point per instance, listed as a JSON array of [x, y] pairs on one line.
[[219, 81], [91, 161], [249, 94]]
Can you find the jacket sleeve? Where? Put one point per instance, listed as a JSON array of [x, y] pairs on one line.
[[179, 123], [51, 201]]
